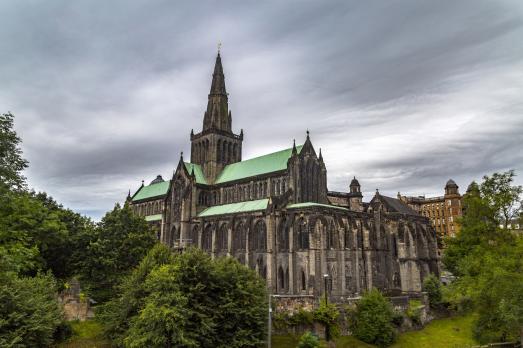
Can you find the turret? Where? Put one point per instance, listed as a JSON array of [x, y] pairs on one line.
[[355, 196]]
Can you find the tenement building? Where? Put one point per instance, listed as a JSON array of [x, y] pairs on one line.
[[275, 214], [442, 210]]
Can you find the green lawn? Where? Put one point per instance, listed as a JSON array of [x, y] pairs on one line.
[[86, 334], [453, 332]]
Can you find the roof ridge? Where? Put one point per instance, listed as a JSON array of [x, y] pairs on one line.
[[299, 147]]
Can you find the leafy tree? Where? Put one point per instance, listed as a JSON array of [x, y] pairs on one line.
[[309, 340], [372, 321], [29, 312], [502, 196], [115, 314], [114, 248], [432, 286], [11, 161], [189, 301], [327, 314], [487, 259]]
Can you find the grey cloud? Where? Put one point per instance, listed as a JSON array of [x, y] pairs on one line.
[[105, 93]]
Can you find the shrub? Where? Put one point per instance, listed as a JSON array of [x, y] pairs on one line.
[[309, 340], [372, 322], [432, 286], [327, 314], [414, 311]]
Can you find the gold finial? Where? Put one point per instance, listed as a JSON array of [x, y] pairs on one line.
[[219, 47]]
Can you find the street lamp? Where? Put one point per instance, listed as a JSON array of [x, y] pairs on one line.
[[325, 277], [327, 331]]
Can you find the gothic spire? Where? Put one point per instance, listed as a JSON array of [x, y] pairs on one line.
[[217, 114], [218, 79]]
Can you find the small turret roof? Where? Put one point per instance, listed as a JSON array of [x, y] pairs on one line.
[[451, 183], [157, 180]]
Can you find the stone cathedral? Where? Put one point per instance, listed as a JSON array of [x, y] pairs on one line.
[[275, 214]]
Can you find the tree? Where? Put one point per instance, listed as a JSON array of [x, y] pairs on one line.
[[114, 248], [189, 301], [11, 161], [116, 314], [29, 311], [487, 259], [432, 286], [504, 198], [372, 321]]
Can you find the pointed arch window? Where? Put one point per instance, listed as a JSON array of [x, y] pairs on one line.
[[283, 235], [303, 234], [207, 238], [221, 238]]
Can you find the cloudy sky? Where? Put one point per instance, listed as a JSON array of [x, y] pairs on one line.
[[402, 94]]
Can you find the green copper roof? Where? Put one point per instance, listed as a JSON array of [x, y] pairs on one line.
[[198, 173], [151, 191], [272, 162], [156, 217], [241, 207], [312, 204]]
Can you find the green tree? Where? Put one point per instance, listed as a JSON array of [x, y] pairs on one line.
[[189, 301], [487, 259], [309, 340], [11, 161], [114, 248], [432, 285], [116, 314], [29, 311], [502, 196], [372, 320]]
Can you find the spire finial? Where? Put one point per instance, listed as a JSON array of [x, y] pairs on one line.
[[307, 132], [321, 157], [294, 150], [219, 47], [181, 155], [143, 182]]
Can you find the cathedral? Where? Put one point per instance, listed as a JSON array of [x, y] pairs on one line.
[[275, 214]]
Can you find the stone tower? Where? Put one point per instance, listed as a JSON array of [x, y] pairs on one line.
[[355, 196], [216, 145]]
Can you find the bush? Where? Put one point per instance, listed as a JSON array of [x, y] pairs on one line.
[[309, 340], [327, 314], [29, 311], [414, 311], [432, 286], [372, 322]]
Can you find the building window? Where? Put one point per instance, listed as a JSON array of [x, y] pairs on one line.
[[303, 235]]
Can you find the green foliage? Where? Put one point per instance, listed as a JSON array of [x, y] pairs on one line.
[[112, 250], [309, 340], [327, 314], [29, 312], [487, 260], [414, 311], [188, 300], [432, 286], [11, 161], [372, 321]]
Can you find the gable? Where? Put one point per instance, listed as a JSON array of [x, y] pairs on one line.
[[198, 172], [273, 162]]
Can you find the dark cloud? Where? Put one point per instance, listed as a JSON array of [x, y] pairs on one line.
[[402, 94]]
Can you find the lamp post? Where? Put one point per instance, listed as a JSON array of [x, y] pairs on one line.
[[325, 277], [327, 331], [270, 321]]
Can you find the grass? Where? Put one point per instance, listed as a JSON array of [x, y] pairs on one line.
[[86, 334], [455, 332]]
